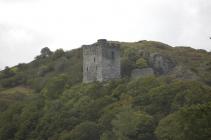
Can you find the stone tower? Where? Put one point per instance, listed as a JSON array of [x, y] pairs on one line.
[[101, 61]]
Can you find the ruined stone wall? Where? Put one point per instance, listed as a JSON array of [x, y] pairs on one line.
[[101, 61], [90, 62], [110, 62]]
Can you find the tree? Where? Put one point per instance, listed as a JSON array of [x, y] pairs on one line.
[[189, 123], [61, 64], [54, 87], [45, 52], [58, 53], [107, 135], [141, 63], [7, 72], [84, 131], [133, 125], [9, 121], [43, 70]]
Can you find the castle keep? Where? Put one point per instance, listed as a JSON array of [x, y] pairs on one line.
[[101, 61]]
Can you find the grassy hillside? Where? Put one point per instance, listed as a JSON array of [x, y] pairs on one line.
[[46, 99]]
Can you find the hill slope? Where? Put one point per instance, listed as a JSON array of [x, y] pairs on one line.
[[45, 99]]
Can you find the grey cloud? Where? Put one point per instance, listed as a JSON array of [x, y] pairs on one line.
[[16, 0], [199, 28], [17, 45], [185, 23]]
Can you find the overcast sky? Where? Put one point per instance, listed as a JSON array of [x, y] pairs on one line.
[[26, 26]]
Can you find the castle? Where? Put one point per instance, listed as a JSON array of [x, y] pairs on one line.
[[101, 61]]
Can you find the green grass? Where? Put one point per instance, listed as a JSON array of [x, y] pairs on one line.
[[17, 90]]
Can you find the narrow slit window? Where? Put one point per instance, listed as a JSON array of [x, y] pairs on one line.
[[112, 55], [94, 59], [87, 69]]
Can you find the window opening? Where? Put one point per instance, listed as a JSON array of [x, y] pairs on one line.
[[112, 55]]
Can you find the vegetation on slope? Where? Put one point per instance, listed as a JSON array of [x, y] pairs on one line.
[[46, 100]]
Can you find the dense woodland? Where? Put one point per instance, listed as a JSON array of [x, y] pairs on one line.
[[46, 99]]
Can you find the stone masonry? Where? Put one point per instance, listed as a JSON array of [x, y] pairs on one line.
[[101, 61]]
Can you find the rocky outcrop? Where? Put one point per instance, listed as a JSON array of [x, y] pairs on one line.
[[160, 63], [145, 72]]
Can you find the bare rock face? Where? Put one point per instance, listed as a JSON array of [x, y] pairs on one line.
[[145, 72], [161, 64]]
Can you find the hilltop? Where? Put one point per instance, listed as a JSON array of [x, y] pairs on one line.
[[46, 99]]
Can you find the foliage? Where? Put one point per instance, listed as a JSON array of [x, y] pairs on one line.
[[45, 99], [54, 87], [133, 125], [84, 131], [189, 123], [45, 52], [141, 63]]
